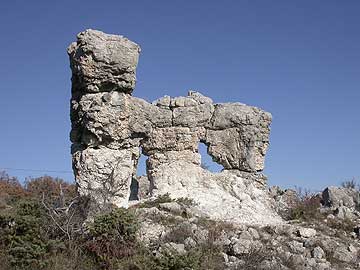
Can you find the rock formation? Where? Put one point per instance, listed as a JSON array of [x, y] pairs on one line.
[[111, 129], [180, 206]]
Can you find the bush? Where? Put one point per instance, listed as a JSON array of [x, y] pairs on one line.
[[349, 183], [198, 258], [179, 233], [187, 202], [112, 236], [119, 223], [30, 230], [10, 190], [155, 202], [307, 208], [143, 259], [215, 228], [51, 188], [22, 236], [172, 260], [75, 258]]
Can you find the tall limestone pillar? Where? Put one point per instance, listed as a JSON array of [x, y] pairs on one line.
[[103, 73]]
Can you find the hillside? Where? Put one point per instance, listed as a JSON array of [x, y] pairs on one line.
[[44, 226]]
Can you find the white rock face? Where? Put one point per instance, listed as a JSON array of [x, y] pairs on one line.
[[109, 127], [306, 232], [105, 174], [231, 195]]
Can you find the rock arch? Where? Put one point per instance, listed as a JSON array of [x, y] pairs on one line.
[[109, 126]]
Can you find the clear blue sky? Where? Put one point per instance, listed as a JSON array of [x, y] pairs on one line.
[[300, 60]]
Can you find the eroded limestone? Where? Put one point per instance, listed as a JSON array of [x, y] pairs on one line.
[[110, 128]]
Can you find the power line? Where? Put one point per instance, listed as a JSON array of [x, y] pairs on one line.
[[34, 170]]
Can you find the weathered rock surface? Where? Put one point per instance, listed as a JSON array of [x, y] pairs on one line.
[[103, 63], [309, 244], [110, 128], [180, 206], [105, 174], [339, 196]]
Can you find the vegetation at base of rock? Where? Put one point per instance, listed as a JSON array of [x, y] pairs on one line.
[[155, 202], [165, 198], [185, 201], [112, 236], [22, 235], [43, 226], [307, 208], [31, 238]]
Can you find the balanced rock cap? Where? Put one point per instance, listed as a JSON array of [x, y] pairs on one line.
[[102, 62]]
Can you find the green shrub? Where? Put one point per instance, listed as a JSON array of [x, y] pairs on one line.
[[112, 236], [163, 219], [155, 202], [143, 259], [186, 201], [119, 223], [22, 236], [199, 258], [75, 258], [175, 261], [179, 233]]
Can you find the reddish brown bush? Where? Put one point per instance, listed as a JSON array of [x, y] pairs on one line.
[[49, 187], [10, 189], [308, 208]]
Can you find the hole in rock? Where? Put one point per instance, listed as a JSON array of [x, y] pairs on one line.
[[207, 161], [136, 182], [134, 190], [141, 166]]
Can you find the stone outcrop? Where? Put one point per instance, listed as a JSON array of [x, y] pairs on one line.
[[340, 196], [181, 207], [111, 129], [315, 238]]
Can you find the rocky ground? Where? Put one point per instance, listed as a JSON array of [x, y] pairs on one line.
[[43, 226], [320, 231]]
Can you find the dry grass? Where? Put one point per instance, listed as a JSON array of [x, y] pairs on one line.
[[255, 257], [345, 225]]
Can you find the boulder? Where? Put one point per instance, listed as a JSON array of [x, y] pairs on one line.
[[318, 253], [339, 196], [306, 232]]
